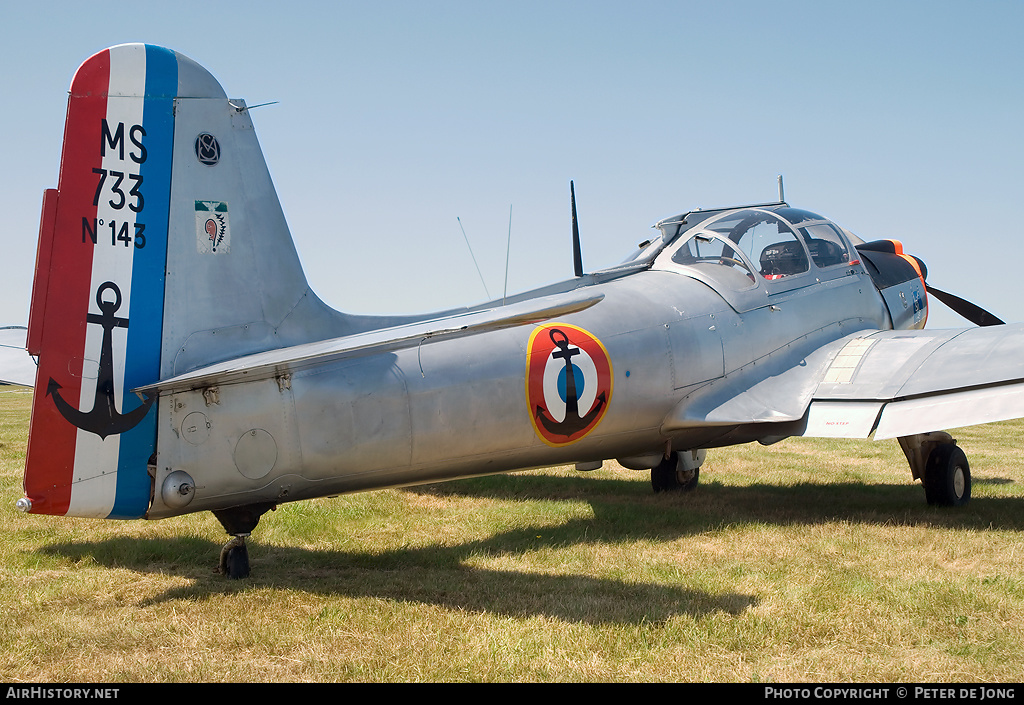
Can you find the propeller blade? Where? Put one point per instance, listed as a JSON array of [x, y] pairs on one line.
[[972, 313], [577, 256]]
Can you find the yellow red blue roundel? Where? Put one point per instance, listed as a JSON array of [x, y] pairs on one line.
[[568, 382]]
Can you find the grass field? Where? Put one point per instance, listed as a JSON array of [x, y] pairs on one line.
[[805, 561]]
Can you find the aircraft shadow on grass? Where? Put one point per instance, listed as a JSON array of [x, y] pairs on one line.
[[435, 575], [672, 515], [442, 574]]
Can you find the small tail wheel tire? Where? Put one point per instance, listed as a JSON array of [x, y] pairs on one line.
[[234, 559], [667, 477], [947, 477]]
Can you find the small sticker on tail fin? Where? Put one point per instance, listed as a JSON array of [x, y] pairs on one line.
[[213, 232]]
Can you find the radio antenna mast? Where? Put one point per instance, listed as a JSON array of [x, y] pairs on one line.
[[508, 249], [474, 257]]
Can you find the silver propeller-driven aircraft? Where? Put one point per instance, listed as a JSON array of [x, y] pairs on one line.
[[184, 364]]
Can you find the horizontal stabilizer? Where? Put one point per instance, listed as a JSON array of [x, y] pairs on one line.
[[288, 360]]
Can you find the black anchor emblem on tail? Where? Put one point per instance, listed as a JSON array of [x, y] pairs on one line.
[[103, 419], [573, 422]]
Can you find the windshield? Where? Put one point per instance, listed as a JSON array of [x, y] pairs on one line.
[[669, 231], [644, 249]]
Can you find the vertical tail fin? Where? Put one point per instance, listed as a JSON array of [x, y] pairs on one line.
[[95, 321], [164, 248]]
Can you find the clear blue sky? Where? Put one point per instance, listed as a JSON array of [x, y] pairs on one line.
[[895, 119]]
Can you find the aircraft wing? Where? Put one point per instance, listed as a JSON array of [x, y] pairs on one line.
[[286, 360], [887, 383], [899, 383]]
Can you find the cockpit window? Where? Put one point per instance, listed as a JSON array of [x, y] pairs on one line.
[[823, 240], [825, 243], [782, 259], [715, 257], [767, 241]]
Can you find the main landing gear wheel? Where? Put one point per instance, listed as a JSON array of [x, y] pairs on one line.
[[670, 476], [947, 477], [234, 559]]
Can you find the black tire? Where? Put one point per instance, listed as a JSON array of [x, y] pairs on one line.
[[236, 563], [947, 477], [665, 476]]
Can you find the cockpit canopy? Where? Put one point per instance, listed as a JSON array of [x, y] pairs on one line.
[[739, 248]]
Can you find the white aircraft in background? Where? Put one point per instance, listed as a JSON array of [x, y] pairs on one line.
[[16, 367]]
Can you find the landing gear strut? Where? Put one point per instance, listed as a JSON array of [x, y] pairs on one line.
[[239, 522], [942, 467], [678, 471]]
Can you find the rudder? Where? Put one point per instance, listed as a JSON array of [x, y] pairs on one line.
[[96, 320]]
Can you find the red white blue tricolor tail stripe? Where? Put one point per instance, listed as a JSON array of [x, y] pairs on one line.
[[98, 298]]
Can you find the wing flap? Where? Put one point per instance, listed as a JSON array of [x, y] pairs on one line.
[[951, 410], [847, 419]]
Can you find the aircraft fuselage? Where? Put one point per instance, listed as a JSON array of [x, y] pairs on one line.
[[459, 407]]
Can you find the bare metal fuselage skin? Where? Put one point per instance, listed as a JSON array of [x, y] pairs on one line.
[[188, 366], [458, 407]]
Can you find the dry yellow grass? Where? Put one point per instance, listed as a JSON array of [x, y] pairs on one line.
[[805, 561]]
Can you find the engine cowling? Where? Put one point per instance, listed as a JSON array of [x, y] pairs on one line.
[[900, 279]]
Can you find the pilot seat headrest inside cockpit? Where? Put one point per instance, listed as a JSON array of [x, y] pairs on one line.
[[783, 259]]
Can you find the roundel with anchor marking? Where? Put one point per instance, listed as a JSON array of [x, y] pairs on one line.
[[568, 382]]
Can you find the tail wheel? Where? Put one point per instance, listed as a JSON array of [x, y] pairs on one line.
[[234, 559], [947, 477]]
